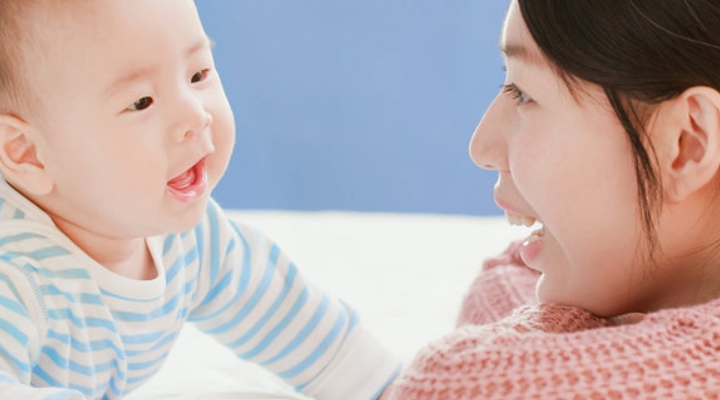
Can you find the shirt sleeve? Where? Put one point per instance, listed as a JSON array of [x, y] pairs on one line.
[[21, 321], [255, 301]]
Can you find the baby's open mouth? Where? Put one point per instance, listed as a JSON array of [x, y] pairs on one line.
[[191, 183]]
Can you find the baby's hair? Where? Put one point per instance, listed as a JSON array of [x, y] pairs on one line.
[[14, 93], [640, 52]]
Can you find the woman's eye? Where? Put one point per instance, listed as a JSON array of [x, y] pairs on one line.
[[516, 94], [141, 103], [200, 76]]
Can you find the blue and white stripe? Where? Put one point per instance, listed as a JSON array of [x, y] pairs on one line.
[[70, 329]]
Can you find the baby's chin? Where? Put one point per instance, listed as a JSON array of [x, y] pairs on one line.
[[187, 220], [186, 226]]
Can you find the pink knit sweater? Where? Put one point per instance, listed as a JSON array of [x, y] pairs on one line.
[[506, 347]]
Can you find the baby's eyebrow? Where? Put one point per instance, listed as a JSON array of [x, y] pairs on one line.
[[204, 43], [135, 74], [127, 79]]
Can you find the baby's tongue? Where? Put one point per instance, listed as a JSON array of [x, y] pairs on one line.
[[183, 181]]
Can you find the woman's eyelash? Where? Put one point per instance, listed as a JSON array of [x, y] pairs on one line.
[[515, 93]]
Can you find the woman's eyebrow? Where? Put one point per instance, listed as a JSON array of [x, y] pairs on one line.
[[519, 51]]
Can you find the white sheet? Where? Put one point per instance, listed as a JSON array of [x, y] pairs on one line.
[[404, 273]]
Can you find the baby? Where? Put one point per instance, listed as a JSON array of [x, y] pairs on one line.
[[114, 129]]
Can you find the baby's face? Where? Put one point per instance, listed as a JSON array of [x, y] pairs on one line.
[[134, 126]]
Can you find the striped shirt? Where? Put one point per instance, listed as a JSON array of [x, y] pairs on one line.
[[71, 329]]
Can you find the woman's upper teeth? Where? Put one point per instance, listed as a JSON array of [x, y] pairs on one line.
[[523, 220]]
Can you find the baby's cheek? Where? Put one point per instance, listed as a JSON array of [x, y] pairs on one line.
[[219, 160]]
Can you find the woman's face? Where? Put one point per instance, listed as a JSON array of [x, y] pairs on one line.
[[563, 160]]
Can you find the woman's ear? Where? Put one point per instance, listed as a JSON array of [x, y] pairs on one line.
[[20, 161], [689, 148]]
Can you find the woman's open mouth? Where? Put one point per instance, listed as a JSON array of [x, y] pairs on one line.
[[531, 247], [522, 220]]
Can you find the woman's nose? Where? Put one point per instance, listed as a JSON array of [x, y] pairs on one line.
[[488, 146]]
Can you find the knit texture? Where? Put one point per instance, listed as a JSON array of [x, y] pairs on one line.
[[551, 351], [503, 284]]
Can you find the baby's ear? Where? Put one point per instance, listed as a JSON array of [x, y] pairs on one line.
[[20, 162], [689, 146]]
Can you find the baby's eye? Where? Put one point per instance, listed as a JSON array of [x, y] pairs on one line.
[[200, 76], [141, 103], [518, 95]]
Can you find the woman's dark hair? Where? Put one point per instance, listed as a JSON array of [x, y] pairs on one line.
[[641, 52]]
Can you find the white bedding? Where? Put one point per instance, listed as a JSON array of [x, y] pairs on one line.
[[404, 273]]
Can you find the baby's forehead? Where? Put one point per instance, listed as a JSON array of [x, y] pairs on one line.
[[56, 46], [97, 38], [36, 13], [35, 20]]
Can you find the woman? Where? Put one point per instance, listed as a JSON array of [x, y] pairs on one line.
[[606, 138]]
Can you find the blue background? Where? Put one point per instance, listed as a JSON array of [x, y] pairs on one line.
[[364, 105]]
